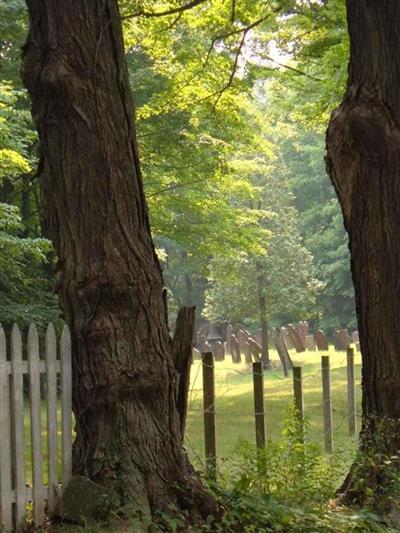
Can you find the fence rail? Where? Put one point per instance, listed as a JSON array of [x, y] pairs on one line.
[[15, 494]]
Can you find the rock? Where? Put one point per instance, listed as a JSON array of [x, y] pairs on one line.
[[85, 501]]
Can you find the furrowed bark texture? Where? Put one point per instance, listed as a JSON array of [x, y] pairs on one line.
[[363, 159], [110, 282]]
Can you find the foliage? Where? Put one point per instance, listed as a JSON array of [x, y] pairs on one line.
[[286, 487]]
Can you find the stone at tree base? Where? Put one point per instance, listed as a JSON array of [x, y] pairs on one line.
[[85, 501]]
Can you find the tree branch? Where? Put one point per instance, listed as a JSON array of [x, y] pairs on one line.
[[173, 11]]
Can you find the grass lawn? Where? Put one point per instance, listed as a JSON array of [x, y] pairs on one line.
[[235, 410], [234, 403]]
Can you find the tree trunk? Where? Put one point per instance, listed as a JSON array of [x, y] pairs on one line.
[[262, 305], [363, 143], [110, 283]]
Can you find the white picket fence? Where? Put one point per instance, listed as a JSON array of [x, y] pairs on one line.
[[16, 491]]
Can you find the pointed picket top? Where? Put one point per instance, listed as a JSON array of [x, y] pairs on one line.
[[51, 335], [16, 343], [33, 344], [66, 342]]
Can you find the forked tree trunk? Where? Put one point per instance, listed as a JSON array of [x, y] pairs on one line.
[[363, 160], [110, 283]]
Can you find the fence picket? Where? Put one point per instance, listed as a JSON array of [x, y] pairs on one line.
[[5, 439], [51, 372], [36, 425], [17, 398], [66, 406]]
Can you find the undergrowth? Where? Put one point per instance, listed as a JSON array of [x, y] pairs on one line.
[[288, 487]]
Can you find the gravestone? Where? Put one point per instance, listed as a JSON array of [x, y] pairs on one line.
[[228, 336], [286, 338], [242, 337], [303, 331], [247, 353], [282, 352], [219, 352], [355, 337], [357, 346], [295, 338], [255, 349], [310, 343], [341, 339], [236, 357], [321, 340]]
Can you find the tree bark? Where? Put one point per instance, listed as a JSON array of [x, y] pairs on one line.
[[363, 160], [110, 283], [182, 346]]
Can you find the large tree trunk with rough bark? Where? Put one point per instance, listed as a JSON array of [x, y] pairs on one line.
[[128, 433], [363, 143]]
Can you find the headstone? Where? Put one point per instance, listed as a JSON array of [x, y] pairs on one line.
[[242, 337], [303, 331], [247, 353], [228, 336], [219, 352], [236, 357], [286, 338], [296, 340], [341, 339], [355, 337], [357, 346], [321, 340], [282, 352], [255, 349], [310, 343]]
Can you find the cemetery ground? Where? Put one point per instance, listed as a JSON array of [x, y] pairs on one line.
[[235, 408], [234, 405]]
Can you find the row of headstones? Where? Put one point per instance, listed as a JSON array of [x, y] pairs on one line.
[[300, 339], [235, 344], [238, 340]]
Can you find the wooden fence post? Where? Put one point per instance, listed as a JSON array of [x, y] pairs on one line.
[[66, 407], [17, 424], [327, 404], [5, 439], [51, 397], [209, 414], [298, 397], [351, 392], [36, 426], [259, 410]]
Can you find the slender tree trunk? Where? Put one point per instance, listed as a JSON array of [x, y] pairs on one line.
[[262, 305], [363, 160], [128, 433]]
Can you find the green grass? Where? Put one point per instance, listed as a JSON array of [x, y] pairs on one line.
[[235, 411]]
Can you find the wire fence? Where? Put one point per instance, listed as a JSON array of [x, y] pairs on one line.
[[224, 404]]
